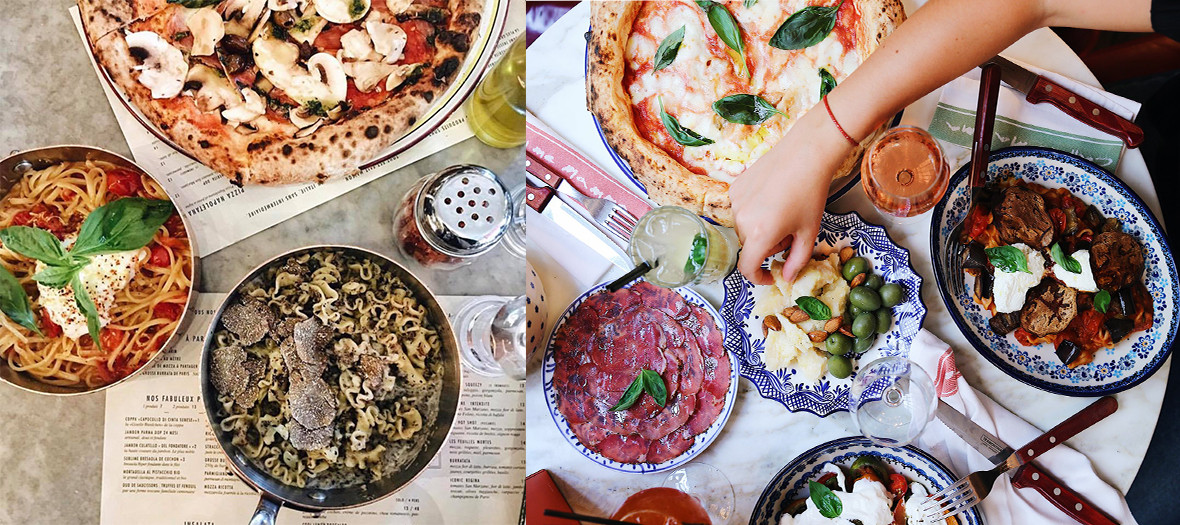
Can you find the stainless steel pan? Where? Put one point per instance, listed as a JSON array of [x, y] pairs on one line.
[[275, 494]]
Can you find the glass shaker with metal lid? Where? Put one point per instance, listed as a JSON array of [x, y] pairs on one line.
[[451, 217]]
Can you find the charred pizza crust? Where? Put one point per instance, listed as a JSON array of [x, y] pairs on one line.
[[666, 179], [274, 154]]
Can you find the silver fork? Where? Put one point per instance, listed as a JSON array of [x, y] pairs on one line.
[[985, 118], [969, 491], [604, 212]]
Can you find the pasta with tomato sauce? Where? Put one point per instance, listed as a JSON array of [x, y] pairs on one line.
[[142, 315]]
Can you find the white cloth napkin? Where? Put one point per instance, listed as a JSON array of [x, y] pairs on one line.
[[1005, 504], [1020, 123]]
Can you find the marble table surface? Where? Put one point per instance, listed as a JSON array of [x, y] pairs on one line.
[[761, 436], [51, 447]]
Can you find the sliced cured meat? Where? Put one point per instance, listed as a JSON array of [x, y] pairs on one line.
[[624, 449], [661, 299], [588, 434], [609, 305], [630, 345], [717, 376], [670, 446], [674, 415], [683, 347], [708, 408]]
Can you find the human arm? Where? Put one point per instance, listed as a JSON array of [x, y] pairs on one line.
[[779, 200]]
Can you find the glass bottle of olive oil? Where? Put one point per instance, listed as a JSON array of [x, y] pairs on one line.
[[496, 110]]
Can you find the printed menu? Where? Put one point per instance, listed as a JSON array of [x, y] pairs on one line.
[[222, 214], [162, 464]]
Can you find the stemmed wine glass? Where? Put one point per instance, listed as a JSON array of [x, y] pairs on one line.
[[492, 337], [892, 399], [708, 485]]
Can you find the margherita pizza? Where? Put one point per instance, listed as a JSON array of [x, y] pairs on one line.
[[690, 94], [282, 91]]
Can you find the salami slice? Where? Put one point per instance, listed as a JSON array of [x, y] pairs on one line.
[[670, 446], [624, 449]]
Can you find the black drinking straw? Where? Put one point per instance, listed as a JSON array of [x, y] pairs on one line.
[[628, 277]]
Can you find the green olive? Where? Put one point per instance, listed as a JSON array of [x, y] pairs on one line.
[[874, 281], [864, 324], [855, 266], [839, 366], [838, 344], [864, 343], [865, 298], [892, 294], [853, 311], [884, 320]]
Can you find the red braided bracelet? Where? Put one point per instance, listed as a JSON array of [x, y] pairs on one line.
[[837, 123]]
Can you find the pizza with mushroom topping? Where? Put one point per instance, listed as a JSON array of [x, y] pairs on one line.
[[282, 91], [691, 93]]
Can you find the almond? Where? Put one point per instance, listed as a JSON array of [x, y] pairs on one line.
[[846, 331], [796, 315], [817, 336], [769, 323], [858, 280], [833, 324], [846, 253]]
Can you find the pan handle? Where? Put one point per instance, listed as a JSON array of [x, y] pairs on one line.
[[266, 512]]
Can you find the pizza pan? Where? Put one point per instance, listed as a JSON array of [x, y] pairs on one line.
[[474, 65], [1129, 362], [274, 494], [12, 169]]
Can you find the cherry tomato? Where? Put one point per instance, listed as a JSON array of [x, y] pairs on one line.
[[169, 311], [1058, 217], [899, 517], [48, 327], [977, 222], [22, 219], [124, 183], [112, 339], [160, 256], [898, 485]]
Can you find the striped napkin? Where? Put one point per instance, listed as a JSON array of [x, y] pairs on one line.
[[1020, 123]]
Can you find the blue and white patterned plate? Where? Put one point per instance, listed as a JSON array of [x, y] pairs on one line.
[[1133, 359], [703, 440], [743, 335], [790, 482]]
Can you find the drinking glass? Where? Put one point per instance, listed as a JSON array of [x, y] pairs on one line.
[[892, 399], [495, 111], [904, 172], [491, 336], [708, 485], [682, 248]]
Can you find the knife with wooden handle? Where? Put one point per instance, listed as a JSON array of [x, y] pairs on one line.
[[1039, 89]]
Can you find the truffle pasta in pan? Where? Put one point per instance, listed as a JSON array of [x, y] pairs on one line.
[[95, 273], [328, 370]]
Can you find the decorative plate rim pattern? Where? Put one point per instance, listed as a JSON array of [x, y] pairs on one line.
[[830, 395], [808, 464], [1133, 208], [701, 441]]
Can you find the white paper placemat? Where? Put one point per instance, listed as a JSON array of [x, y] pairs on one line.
[[161, 463]]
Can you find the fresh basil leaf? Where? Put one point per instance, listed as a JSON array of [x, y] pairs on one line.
[[125, 224], [666, 53], [727, 30], [1102, 301], [825, 500], [631, 395], [195, 4], [680, 133], [653, 384], [58, 276], [744, 108], [86, 306], [806, 27], [14, 302], [815, 308], [696, 259], [1008, 258], [749, 3], [827, 82], [34, 243], [1068, 262]]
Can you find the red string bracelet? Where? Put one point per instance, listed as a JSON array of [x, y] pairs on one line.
[[837, 123]]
